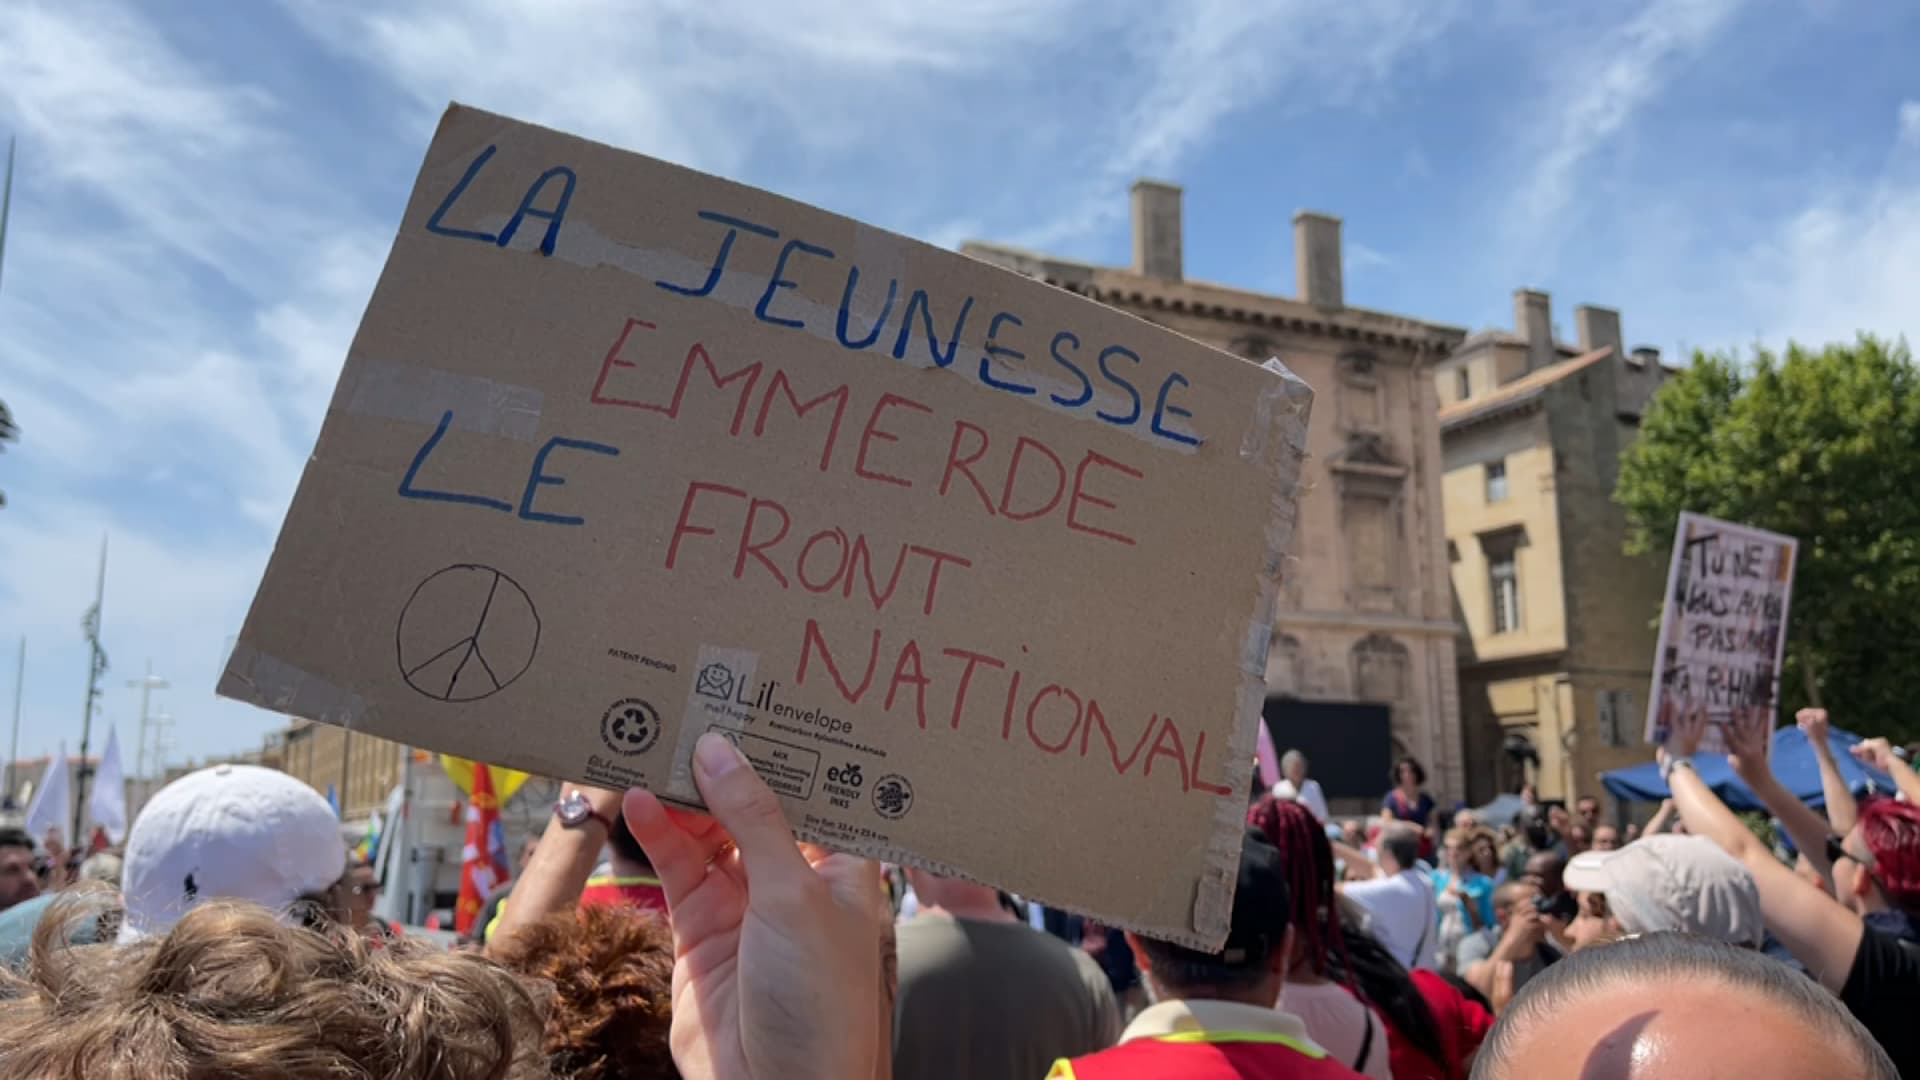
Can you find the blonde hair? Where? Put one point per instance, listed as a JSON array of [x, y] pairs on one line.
[[231, 992]]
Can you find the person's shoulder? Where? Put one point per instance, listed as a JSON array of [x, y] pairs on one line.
[[1890, 954], [1362, 891], [1089, 970]]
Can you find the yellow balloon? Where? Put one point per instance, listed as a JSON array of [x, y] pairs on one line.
[[505, 781]]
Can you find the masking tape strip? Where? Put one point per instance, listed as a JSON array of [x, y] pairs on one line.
[[1286, 398], [1276, 442], [424, 395], [720, 675], [272, 683]]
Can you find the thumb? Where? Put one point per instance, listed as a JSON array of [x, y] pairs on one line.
[[742, 803]]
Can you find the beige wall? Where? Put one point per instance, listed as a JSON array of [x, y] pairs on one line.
[[1528, 513], [1488, 365], [313, 756], [1324, 616], [1574, 678]]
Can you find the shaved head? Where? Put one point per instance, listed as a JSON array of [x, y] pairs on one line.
[[1673, 1005]]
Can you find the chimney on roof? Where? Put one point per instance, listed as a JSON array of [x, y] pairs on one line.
[[1156, 229], [1316, 259], [1598, 328], [1533, 320]]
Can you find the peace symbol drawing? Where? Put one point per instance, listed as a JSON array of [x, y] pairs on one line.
[[467, 632]]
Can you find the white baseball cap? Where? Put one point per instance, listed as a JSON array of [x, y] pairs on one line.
[[230, 832], [1668, 883]]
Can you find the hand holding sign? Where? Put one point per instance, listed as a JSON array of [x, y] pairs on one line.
[[1686, 725], [1724, 624], [1748, 738], [776, 946]]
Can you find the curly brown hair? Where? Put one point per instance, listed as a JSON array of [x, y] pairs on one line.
[[612, 973], [231, 992]]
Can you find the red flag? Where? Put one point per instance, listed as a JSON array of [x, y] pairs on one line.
[[483, 860], [100, 841]]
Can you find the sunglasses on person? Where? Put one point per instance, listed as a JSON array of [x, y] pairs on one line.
[[1837, 850]]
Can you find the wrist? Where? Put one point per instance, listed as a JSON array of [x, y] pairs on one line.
[[582, 807], [1675, 762]]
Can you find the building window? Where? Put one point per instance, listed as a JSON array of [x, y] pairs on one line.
[[1284, 673], [1380, 670], [1463, 382], [1496, 481], [1372, 550], [1616, 717], [1505, 590], [1359, 394]]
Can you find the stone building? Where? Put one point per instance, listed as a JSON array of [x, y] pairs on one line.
[[1558, 653], [1366, 611], [318, 754]]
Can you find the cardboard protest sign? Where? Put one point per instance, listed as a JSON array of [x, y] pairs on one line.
[[978, 573], [1723, 630]]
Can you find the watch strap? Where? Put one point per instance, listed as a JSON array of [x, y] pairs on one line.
[[576, 810]]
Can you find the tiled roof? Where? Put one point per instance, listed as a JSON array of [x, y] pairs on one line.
[[1521, 389]]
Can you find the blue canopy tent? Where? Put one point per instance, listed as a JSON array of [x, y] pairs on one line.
[[1793, 763]]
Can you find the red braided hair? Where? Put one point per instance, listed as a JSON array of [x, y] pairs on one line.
[[1308, 859]]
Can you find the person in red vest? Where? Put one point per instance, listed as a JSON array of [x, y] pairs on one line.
[[567, 864], [624, 876], [1215, 1018]]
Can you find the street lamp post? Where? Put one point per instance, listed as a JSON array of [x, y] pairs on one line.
[[146, 684]]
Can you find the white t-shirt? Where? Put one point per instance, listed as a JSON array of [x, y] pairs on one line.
[[1309, 796], [1338, 1022], [1402, 913]]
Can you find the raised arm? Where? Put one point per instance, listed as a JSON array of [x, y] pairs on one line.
[[1747, 741], [560, 867], [1821, 933], [1841, 811], [1879, 754], [1661, 818], [1359, 867]]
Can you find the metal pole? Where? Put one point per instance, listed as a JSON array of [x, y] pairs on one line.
[[403, 855], [96, 664], [147, 685], [346, 762], [13, 744]]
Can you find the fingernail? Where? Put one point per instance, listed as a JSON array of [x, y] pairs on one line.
[[717, 756]]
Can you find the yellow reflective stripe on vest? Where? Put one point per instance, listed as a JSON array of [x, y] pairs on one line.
[[1266, 1037], [1062, 1070], [621, 882]]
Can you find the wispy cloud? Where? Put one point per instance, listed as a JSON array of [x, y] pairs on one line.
[[1847, 262], [184, 276], [1361, 258], [703, 84], [1910, 122], [1203, 63], [1600, 91]]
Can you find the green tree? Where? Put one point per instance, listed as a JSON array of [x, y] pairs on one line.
[[1823, 446]]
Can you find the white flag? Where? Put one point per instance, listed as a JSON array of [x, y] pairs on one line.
[[390, 862], [52, 806], [107, 804]]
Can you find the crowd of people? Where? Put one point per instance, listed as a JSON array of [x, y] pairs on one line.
[[234, 936]]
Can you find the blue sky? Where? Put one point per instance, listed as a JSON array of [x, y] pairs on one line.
[[203, 202]]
